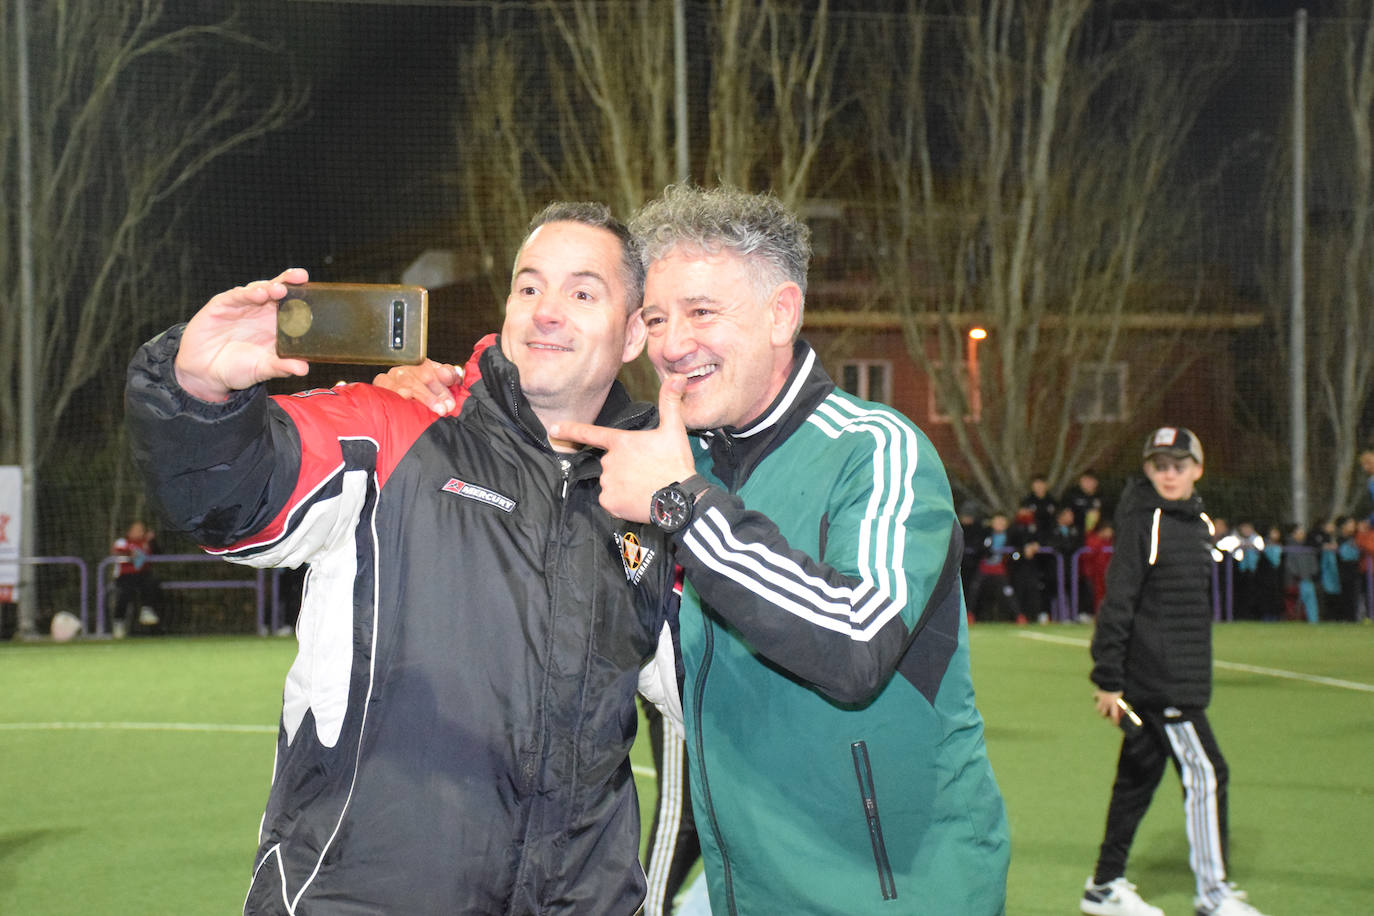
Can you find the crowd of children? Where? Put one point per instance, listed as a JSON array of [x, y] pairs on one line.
[[1048, 560]]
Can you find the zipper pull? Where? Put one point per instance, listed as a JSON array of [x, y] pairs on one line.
[[566, 466]]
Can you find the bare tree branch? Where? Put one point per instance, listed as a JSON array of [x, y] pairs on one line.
[[125, 116]]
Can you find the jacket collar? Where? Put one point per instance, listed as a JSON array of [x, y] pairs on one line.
[[736, 451], [500, 378]]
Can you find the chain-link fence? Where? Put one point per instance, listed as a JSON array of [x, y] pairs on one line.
[[175, 153]]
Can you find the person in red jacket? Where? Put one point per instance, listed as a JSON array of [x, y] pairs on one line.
[[135, 585], [1095, 560]]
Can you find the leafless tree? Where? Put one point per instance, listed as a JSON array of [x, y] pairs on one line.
[[125, 113], [774, 95], [589, 122], [594, 119], [1025, 178], [1339, 294]]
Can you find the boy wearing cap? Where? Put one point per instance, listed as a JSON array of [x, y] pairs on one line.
[[1152, 666]]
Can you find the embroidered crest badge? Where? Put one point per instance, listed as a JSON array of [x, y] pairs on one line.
[[634, 556]]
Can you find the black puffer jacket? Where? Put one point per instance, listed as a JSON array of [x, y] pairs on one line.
[[1154, 630], [456, 726]]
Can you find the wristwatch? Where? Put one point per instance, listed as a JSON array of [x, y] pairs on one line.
[[671, 508]]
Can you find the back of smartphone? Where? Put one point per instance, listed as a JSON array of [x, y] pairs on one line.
[[360, 323]]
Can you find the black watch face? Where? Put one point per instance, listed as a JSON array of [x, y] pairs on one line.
[[670, 509]]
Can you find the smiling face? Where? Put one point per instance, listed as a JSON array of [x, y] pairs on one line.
[[1172, 477], [714, 319], [569, 326]]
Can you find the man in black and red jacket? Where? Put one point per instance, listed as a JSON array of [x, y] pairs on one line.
[[456, 727]]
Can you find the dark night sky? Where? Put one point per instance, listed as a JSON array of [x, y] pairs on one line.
[[373, 139], [378, 133]]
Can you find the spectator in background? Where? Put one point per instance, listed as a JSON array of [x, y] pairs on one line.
[[1085, 501], [1246, 549], [1300, 571], [1025, 566], [1065, 539], [1221, 536], [974, 531], [136, 587], [992, 596], [1327, 541], [1364, 540], [1040, 502], [1094, 564], [1347, 570], [1367, 465], [1269, 585]]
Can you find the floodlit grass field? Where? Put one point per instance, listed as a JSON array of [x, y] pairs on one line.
[[133, 774]]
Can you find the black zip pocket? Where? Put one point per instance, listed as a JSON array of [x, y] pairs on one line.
[[875, 827]]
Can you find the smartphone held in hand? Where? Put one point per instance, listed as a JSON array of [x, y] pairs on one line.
[[358, 323], [1130, 721]]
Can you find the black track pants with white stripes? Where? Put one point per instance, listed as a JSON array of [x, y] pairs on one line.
[[1186, 738], [673, 844]]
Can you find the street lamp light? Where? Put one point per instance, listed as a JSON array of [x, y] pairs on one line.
[[975, 397]]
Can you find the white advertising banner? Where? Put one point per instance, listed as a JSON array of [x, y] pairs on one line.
[[11, 511]]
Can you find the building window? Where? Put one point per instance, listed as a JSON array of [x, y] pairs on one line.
[[936, 412], [1099, 392], [870, 379]]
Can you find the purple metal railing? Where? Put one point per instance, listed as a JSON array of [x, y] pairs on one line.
[[258, 583]]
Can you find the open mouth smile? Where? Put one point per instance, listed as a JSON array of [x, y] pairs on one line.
[[701, 372]]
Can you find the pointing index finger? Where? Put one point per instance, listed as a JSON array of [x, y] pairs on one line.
[[602, 437]]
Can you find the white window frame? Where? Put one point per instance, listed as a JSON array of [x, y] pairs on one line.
[[1090, 396], [933, 410], [863, 369]]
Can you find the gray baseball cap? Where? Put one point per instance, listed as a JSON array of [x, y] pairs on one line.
[[1175, 441]]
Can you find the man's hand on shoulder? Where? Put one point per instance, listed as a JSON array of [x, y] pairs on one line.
[[231, 343], [430, 383]]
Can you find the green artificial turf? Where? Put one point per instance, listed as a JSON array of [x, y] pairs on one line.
[[133, 774]]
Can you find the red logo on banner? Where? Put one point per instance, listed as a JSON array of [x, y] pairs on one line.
[[4, 523]]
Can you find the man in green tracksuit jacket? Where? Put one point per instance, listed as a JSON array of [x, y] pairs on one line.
[[837, 757]]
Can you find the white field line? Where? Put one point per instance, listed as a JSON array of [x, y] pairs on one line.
[[1230, 666], [641, 771], [139, 727]]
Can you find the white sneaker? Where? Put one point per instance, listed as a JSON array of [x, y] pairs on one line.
[[1115, 898], [1234, 904], [119, 628], [147, 616]]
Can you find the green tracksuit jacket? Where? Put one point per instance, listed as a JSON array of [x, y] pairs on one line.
[[838, 763]]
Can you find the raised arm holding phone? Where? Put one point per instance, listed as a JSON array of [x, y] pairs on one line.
[[456, 726]]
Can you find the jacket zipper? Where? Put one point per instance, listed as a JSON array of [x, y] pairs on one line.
[[529, 767], [698, 691], [699, 688], [869, 796]]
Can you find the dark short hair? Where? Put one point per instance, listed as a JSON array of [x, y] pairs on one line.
[[598, 216]]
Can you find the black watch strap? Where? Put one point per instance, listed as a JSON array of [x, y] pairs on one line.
[[695, 485]]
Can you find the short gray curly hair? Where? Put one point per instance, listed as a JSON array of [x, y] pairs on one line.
[[756, 227]]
